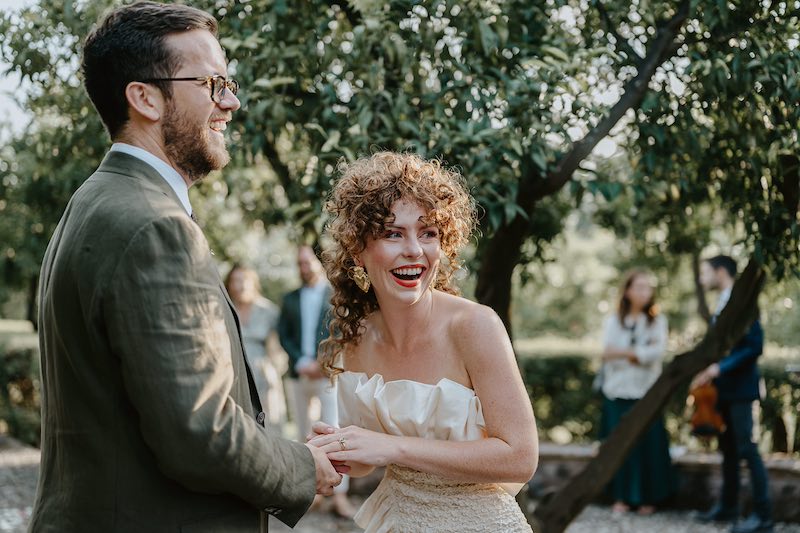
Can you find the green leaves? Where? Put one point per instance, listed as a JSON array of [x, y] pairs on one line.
[[498, 90], [488, 38], [718, 143]]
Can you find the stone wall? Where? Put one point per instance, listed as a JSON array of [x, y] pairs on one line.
[[699, 478]]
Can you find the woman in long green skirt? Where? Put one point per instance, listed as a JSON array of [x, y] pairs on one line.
[[634, 342]]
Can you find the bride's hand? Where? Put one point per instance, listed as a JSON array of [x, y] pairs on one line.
[[358, 445], [320, 428]]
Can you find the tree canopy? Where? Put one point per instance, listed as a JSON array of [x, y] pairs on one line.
[[698, 97]]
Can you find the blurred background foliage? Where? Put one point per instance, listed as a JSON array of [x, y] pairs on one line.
[[663, 122]]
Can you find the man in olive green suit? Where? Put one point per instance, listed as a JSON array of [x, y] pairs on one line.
[[150, 418]]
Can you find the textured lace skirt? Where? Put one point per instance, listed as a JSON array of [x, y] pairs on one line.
[[408, 501]]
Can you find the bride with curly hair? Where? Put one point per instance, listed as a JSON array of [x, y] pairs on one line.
[[428, 385]]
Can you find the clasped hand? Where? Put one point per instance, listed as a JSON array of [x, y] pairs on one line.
[[613, 354], [353, 447], [327, 475]]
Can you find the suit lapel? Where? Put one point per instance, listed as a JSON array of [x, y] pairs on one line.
[[296, 313]]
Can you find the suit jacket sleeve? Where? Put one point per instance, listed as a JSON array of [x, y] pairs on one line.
[[166, 321], [746, 350], [288, 334]]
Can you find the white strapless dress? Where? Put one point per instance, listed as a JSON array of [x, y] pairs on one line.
[[409, 501]]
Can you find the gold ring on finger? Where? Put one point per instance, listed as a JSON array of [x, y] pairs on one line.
[[342, 443]]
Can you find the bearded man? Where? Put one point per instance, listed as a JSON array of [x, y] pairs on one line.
[[150, 417]]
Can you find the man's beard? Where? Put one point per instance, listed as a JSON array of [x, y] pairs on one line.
[[188, 146]]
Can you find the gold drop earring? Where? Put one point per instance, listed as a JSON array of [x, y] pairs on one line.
[[360, 277]]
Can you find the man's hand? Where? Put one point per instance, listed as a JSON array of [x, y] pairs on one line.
[[320, 428], [327, 476], [311, 370], [705, 376]]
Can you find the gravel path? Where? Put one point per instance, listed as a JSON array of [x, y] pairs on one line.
[[596, 519], [19, 468]]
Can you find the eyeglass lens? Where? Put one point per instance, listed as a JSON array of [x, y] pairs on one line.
[[220, 85]]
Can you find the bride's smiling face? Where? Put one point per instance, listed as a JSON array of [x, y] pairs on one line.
[[402, 262]]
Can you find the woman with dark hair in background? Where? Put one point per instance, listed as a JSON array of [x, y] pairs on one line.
[[634, 342]]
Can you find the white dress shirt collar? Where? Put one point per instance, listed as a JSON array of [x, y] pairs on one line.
[[169, 174], [724, 296]]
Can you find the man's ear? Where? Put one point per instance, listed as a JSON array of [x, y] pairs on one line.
[[145, 99]]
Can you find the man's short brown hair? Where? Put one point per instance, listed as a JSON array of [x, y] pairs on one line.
[[129, 45]]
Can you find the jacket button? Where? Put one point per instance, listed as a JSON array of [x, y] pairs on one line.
[[260, 418]]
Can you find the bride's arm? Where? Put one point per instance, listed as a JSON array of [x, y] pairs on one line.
[[509, 454]]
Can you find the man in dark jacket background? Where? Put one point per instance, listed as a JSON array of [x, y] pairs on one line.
[[303, 325], [737, 380]]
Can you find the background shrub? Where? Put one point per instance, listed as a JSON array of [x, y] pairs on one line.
[[568, 410], [19, 394]]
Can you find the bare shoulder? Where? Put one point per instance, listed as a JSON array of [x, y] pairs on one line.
[[476, 329], [481, 342], [472, 319]]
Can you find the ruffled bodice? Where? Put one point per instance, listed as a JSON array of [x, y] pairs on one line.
[[409, 501], [445, 411]]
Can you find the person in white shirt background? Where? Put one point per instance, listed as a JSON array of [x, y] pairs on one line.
[[634, 342]]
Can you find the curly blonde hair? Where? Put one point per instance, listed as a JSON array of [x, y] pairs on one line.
[[360, 207]]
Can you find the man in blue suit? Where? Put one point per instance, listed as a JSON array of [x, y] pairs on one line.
[[737, 380]]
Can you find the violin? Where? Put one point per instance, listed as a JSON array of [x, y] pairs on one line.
[[706, 420]]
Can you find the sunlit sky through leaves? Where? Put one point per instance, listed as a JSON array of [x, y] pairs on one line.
[[9, 83]]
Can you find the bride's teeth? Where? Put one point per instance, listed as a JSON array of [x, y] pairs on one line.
[[408, 271]]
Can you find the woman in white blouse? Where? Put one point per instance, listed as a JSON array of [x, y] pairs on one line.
[[634, 342]]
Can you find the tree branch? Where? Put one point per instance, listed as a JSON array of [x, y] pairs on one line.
[[610, 28], [702, 305], [662, 48], [555, 514], [494, 276], [280, 168]]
